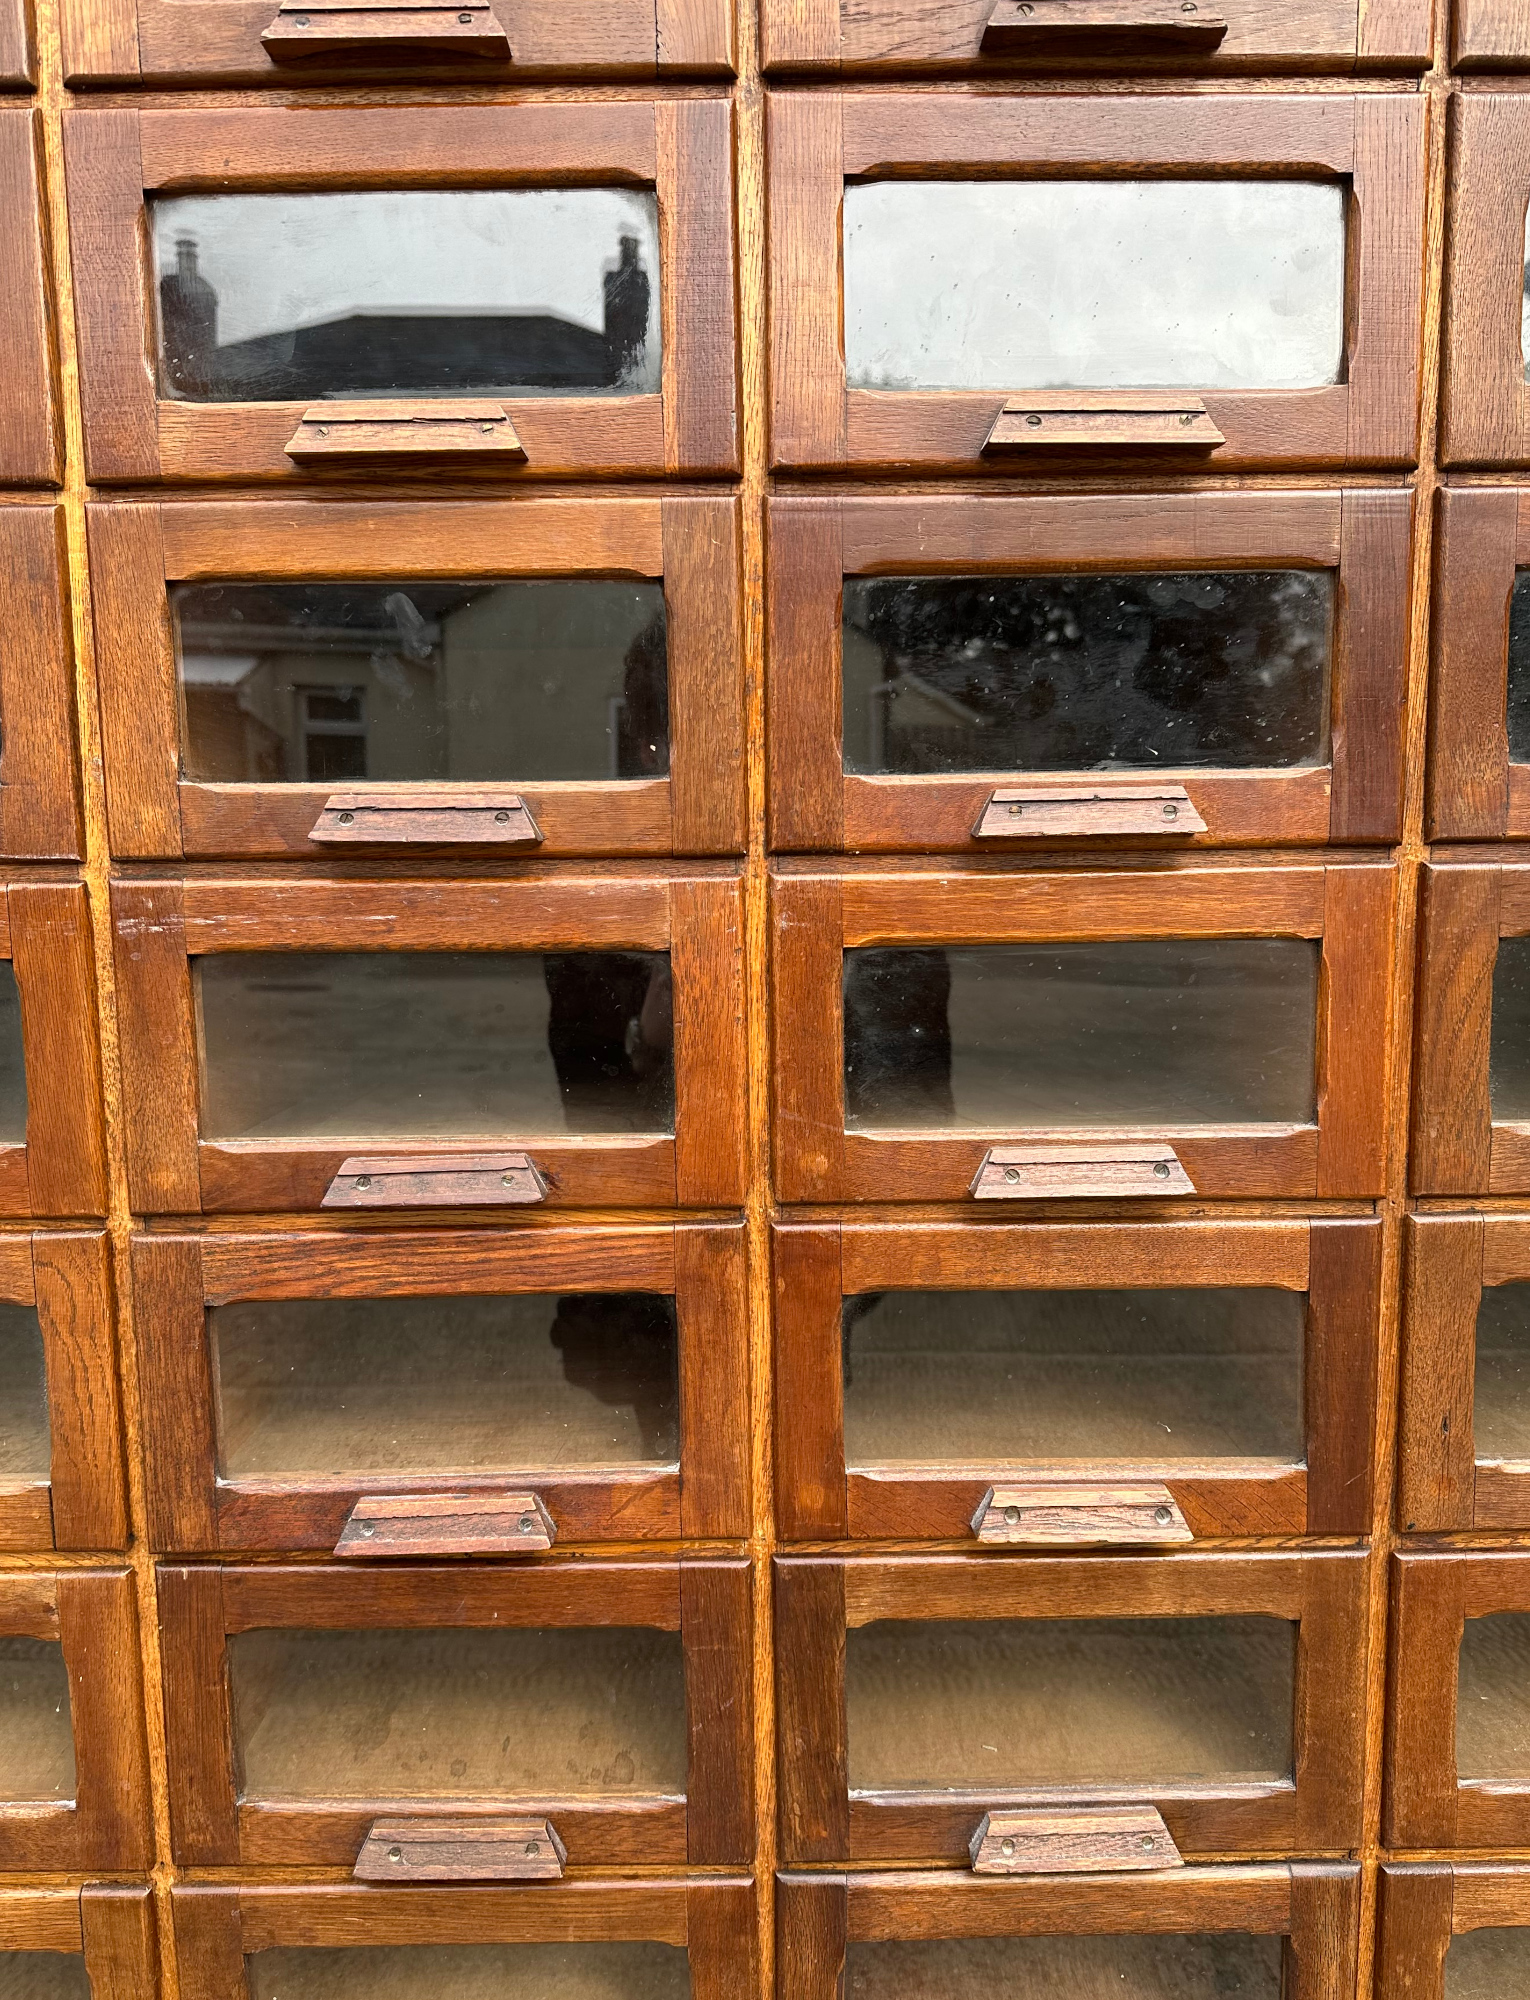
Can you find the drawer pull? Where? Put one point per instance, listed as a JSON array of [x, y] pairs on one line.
[[433, 814], [461, 1850], [1074, 1840], [1052, 418], [447, 1524], [1165, 809], [1047, 1514], [440, 432], [1033, 27], [302, 29], [436, 1180], [1038, 1173]]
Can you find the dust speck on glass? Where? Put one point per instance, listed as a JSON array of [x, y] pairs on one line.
[[271, 298], [1043, 284]]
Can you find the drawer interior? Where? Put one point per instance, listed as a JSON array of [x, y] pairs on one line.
[[1501, 1374], [1488, 1964], [36, 1732], [13, 1079], [1493, 1697], [24, 1447], [43, 1975]]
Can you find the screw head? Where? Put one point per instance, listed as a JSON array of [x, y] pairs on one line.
[[363, 1180], [1162, 1516], [1187, 416], [1147, 1840], [527, 1523], [1015, 811], [1011, 1173], [1006, 1846], [502, 819], [1011, 1517], [1034, 421], [533, 1847], [369, 1528], [507, 1180], [395, 1854], [346, 819], [1161, 1169], [1171, 812]]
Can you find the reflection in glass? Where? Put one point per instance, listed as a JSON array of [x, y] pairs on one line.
[[597, 1971], [451, 1045], [569, 1712], [1228, 1966], [1099, 284], [1136, 1031], [43, 1975], [1488, 1965], [36, 1732], [990, 1377], [445, 1384], [992, 1704], [271, 298], [24, 1448], [1519, 669], [13, 1079], [1493, 1697], [1072, 673], [339, 683], [1509, 1046], [1501, 1396]]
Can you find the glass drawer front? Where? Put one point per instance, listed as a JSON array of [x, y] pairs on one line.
[[328, 1386], [1087, 673], [1141, 1031], [989, 1705], [450, 1045], [1219, 1967], [1519, 666], [1493, 1697], [1488, 1965], [1100, 284], [1509, 1051], [25, 1452], [987, 1377], [561, 1713], [13, 1080], [36, 1731], [43, 1975], [344, 683], [1501, 1395], [599, 1971], [274, 298]]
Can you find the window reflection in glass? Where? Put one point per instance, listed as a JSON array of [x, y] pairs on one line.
[[337, 683], [24, 1447], [1488, 1965], [1493, 1697], [1058, 673], [1043, 284], [43, 1975], [596, 1971], [271, 298], [1217, 1967], [36, 1730]]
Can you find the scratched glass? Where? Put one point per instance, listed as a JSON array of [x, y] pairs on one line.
[[1131, 1032], [1493, 1697], [44, 1975], [24, 1447], [539, 681], [371, 1045], [276, 298], [1097, 284], [594, 1971], [1488, 1965], [1509, 1043], [1501, 1393], [1519, 668], [1229, 1966], [13, 1080], [1087, 673], [996, 1377], [332, 1386], [36, 1731], [993, 1704], [503, 1713]]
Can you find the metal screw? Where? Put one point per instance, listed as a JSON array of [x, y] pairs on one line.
[[1011, 1517], [528, 1523], [1015, 811], [1188, 416], [1035, 421], [507, 1180], [501, 819], [1162, 1516], [533, 1847], [1161, 1168], [346, 818], [1026, 7], [1147, 1840], [1006, 1847], [1171, 812], [1011, 1173], [363, 1180], [369, 1528], [395, 1854], [482, 427]]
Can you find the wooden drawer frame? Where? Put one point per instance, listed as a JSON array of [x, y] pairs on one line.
[[31, 442], [60, 1170], [816, 142], [683, 147], [707, 1600], [138, 551], [712, 1916], [93, 1615], [160, 926], [1484, 396], [192, 1508], [39, 776], [1424, 1905], [814, 543], [1475, 792], [817, 1597], [1315, 1905], [1489, 34], [817, 917], [110, 1924], [818, 1264]]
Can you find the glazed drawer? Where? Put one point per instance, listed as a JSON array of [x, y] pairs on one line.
[[1308, 208], [51, 1139], [95, 1943], [587, 1940], [506, 677], [1149, 1032], [1479, 704], [316, 1712], [921, 1697], [364, 1044], [1452, 1928], [1484, 393], [1112, 1383], [607, 346], [469, 1393], [31, 444], [1162, 670]]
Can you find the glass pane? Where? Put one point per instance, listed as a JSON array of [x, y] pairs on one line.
[[449, 1045], [445, 1385], [322, 683], [1509, 1051], [1519, 668], [43, 1975], [1488, 1965], [603, 1971], [564, 1713], [1087, 673], [1145, 1375], [1501, 1401], [1230, 1967], [1049, 284], [1137, 1031], [997, 1703], [273, 298], [36, 1733], [1524, 311], [13, 1081], [1493, 1697], [24, 1447]]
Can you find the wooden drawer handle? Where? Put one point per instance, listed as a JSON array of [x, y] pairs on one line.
[[300, 30], [508, 1849], [434, 814], [1050, 1514], [1098, 812], [1034, 27], [1051, 418], [436, 1180], [1118, 1167], [447, 1524], [1074, 1840], [439, 432]]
